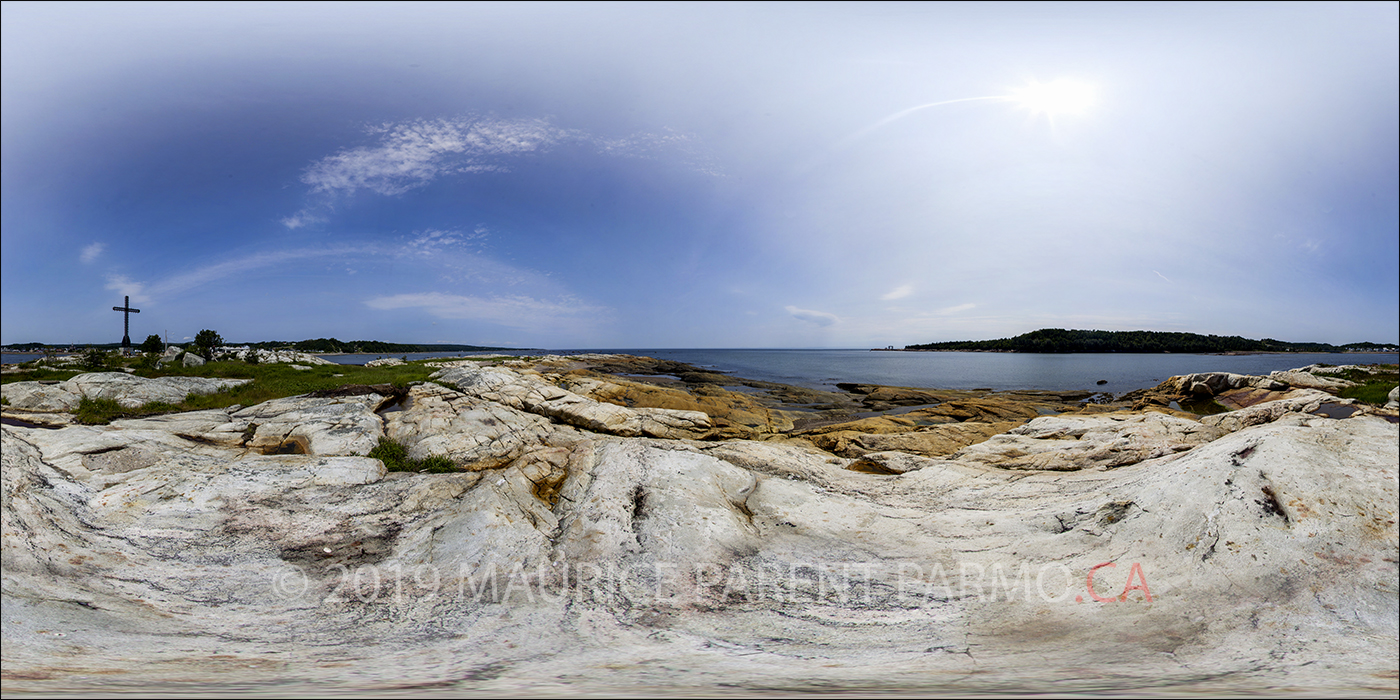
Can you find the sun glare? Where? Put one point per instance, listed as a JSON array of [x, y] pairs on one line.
[[1056, 97]]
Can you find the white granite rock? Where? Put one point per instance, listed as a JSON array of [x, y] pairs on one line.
[[131, 391], [385, 362], [1176, 554], [317, 426], [39, 396], [527, 392], [127, 390], [1074, 442], [473, 433]]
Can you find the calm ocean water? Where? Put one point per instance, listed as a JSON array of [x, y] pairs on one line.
[[955, 370], [991, 370]]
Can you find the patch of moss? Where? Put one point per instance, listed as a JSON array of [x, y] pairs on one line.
[[1377, 393], [395, 458], [104, 411]]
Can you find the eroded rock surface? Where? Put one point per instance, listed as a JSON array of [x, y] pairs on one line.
[[576, 552], [127, 390]]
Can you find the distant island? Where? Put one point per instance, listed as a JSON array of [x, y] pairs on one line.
[[319, 345], [1061, 340]]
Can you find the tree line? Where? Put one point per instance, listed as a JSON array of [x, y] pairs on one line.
[[1049, 340], [368, 347]]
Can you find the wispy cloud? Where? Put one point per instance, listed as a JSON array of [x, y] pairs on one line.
[[91, 252], [820, 318], [127, 287], [434, 241], [950, 310], [412, 154], [300, 219], [650, 146], [899, 292], [521, 312], [1160, 275], [207, 274]]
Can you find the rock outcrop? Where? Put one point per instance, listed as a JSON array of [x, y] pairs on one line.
[[127, 390], [578, 552]]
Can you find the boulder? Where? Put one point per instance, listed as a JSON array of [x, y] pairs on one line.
[[1393, 398], [191, 359]]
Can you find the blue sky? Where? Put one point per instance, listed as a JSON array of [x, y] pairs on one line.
[[632, 175]]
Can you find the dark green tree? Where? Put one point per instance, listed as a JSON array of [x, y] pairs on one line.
[[94, 358], [205, 341], [153, 345]]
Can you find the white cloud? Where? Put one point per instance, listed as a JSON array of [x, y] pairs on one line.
[[899, 292], [650, 146], [91, 252], [512, 311], [412, 154], [949, 310], [434, 241], [1160, 275], [820, 318], [300, 219], [127, 287], [212, 273]]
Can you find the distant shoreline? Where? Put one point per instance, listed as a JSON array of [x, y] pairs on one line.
[[1167, 352]]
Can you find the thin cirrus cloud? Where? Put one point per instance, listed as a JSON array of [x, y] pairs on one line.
[[899, 292], [411, 154], [820, 318], [127, 287], [519, 312], [433, 241], [91, 252], [950, 310]]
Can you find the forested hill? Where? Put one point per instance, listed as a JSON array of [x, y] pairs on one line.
[[1061, 340]]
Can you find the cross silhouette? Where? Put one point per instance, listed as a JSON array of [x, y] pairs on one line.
[[127, 311]]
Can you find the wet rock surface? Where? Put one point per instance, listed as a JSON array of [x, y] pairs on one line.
[[626, 525]]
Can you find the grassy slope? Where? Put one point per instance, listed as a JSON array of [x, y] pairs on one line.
[[270, 381]]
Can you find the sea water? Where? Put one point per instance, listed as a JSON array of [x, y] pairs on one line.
[[823, 369]]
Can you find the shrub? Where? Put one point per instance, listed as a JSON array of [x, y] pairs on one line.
[[94, 358], [153, 345], [395, 458], [97, 411], [206, 340]]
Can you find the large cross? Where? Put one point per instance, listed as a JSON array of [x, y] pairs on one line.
[[127, 311]]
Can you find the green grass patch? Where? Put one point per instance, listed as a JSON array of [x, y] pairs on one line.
[[103, 411], [1374, 386], [275, 381], [41, 374], [270, 381], [1376, 393], [395, 458]]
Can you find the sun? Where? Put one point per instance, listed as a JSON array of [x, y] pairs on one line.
[[1061, 96]]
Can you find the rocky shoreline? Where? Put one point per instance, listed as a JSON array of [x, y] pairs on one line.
[[635, 525]]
